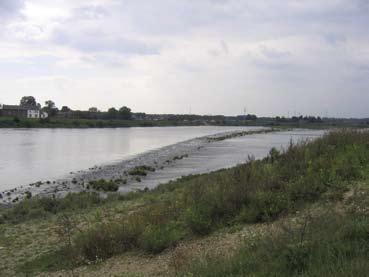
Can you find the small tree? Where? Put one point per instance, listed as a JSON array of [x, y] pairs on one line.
[[65, 109], [28, 101], [93, 110], [113, 113], [50, 108], [125, 113]]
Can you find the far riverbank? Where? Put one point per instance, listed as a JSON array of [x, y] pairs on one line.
[[10, 122]]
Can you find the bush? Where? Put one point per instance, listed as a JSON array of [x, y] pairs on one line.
[[198, 219], [104, 185], [296, 257], [37, 207], [264, 206], [141, 170], [106, 240], [157, 238]]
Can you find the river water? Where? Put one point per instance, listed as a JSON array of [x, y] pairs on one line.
[[223, 154], [31, 155]]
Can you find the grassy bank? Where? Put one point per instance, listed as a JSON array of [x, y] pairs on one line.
[[10, 122], [90, 230], [6, 122], [330, 244]]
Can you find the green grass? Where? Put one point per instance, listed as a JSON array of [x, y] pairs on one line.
[[11, 122], [257, 191], [50, 261], [330, 244], [35, 208], [8, 122]]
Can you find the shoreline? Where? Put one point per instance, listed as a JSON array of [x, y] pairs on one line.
[[158, 159]]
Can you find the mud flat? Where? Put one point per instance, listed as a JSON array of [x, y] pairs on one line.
[[195, 156]]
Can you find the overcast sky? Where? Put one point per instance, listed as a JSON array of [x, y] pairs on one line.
[[176, 56]]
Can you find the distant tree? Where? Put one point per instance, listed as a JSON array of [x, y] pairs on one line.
[[93, 110], [125, 113], [50, 104], [251, 117], [65, 109], [113, 113], [28, 101], [295, 119], [281, 119], [50, 108]]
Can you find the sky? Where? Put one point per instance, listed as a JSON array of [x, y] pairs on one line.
[[270, 57]]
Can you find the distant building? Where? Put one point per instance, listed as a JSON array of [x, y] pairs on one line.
[[44, 115], [31, 113], [21, 111]]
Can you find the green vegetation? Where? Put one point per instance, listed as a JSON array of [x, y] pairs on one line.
[[141, 170], [7, 122], [32, 208], [56, 122], [104, 185], [333, 243], [330, 244]]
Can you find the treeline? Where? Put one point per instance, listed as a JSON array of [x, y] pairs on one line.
[[310, 119], [52, 110], [123, 113]]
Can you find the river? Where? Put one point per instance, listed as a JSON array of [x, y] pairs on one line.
[[31, 155]]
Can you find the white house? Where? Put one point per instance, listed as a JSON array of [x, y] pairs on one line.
[[22, 111], [31, 113]]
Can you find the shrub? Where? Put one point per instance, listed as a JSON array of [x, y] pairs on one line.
[[265, 206], [141, 170], [274, 155], [296, 256], [38, 207], [198, 219], [104, 185], [156, 238], [106, 240]]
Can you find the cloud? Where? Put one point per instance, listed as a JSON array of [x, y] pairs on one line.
[[92, 12], [225, 54], [335, 38], [96, 41], [272, 53], [171, 17], [10, 8]]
